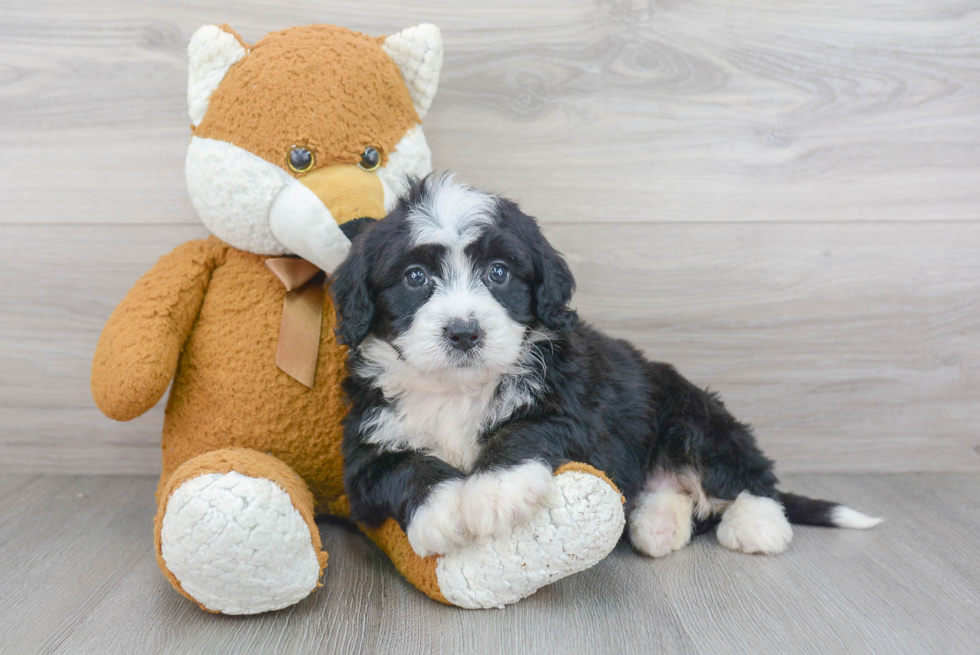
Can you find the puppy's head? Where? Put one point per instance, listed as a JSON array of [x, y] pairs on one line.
[[453, 279]]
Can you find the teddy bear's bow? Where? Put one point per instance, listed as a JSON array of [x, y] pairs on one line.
[[302, 316]]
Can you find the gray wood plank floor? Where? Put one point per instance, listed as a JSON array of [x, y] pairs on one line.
[[79, 576]]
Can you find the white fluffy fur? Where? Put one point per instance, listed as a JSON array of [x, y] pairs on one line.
[[487, 504], [661, 522], [435, 411], [437, 526], [753, 524], [845, 517], [233, 191], [663, 516], [495, 502], [237, 545], [686, 481], [418, 53], [211, 52], [462, 296], [662, 519], [454, 215], [305, 226]]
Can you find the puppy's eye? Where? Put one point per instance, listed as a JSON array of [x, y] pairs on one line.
[[300, 159], [415, 277], [371, 159], [497, 274]]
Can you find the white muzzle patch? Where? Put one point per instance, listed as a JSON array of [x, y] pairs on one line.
[[304, 225], [463, 296]]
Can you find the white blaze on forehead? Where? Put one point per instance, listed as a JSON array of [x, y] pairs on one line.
[[450, 214]]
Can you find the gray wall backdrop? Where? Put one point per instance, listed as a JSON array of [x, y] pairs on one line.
[[781, 198]]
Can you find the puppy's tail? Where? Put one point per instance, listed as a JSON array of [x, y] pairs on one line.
[[810, 511]]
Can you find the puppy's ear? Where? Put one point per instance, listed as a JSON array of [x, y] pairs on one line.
[[352, 297], [553, 281], [355, 226], [554, 286]]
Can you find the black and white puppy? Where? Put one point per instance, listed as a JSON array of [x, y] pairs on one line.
[[471, 380]]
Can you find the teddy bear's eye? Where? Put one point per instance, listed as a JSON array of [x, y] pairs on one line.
[[300, 159], [371, 159]]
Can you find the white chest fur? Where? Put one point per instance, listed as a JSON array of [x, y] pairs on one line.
[[443, 418], [447, 426]]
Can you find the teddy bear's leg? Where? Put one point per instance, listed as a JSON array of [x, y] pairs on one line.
[[578, 526], [235, 533]]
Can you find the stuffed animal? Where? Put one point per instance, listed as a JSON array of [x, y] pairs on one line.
[[297, 142]]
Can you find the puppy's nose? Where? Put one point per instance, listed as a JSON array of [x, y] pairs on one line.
[[463, 335]]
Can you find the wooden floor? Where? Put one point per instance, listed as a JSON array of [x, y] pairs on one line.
[[78, 576]]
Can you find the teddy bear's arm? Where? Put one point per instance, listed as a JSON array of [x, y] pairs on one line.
[[141, 343]]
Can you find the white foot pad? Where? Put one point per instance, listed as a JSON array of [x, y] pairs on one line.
[[580, 523], [237, 544], [753, 524], [661, 523]]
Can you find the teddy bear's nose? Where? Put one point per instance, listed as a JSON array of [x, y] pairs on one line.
[[349, 192]]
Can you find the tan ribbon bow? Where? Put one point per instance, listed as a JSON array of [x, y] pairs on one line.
[[302, 316]]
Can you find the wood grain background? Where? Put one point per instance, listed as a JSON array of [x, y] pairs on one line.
[[783, 199]]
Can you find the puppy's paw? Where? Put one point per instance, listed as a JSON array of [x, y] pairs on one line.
[[496, 501], [437, 526], [661, 523], [753, 524]]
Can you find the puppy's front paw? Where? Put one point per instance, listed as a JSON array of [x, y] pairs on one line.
[[495, 501], [437, 526]]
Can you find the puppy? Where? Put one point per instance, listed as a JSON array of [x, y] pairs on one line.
[[471, 380]]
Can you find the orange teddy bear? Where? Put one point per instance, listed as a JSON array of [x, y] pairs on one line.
[[296, 140]]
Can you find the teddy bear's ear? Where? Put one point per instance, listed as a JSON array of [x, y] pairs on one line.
[[212, 51], [418, 53]]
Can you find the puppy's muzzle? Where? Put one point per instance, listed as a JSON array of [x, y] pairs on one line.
[[463, 335]]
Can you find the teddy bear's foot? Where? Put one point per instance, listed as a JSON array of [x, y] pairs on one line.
[[237, 543], [577, 527]]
